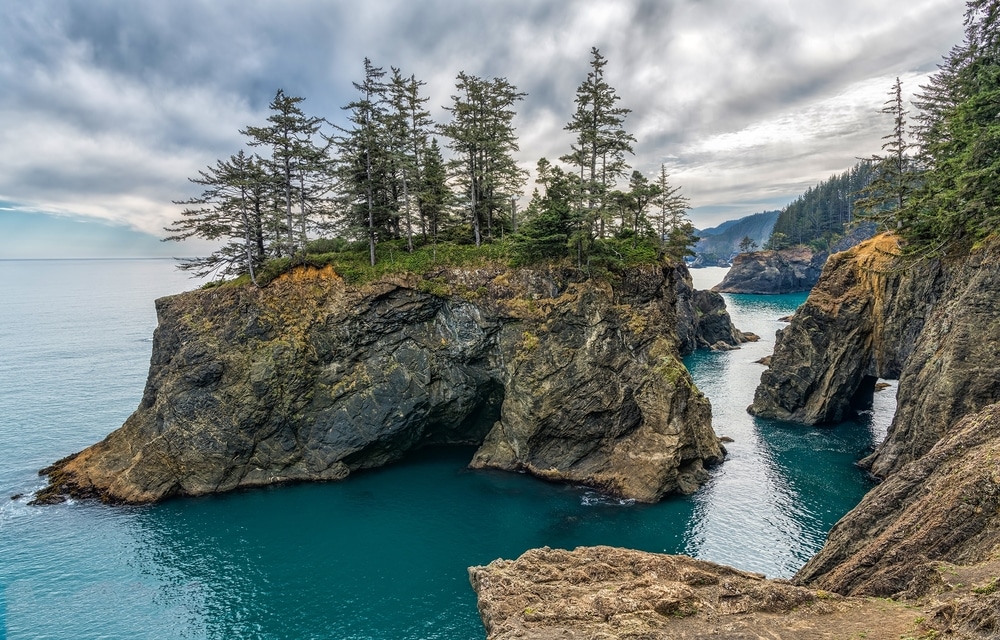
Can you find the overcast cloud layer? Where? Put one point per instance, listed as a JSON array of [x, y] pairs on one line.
[[108, 106]]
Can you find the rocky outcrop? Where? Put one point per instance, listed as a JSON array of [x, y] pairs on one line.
[[931, 324], [604, 592], [311, 379], [859, 323], [951, 368], [771, 272], [704, 321], [935, 518], [787, 270]]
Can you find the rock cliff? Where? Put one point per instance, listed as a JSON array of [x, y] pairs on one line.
[[932, 324], [311, 379], [928, 536], [787, 270], [935, 516], [769, 272]]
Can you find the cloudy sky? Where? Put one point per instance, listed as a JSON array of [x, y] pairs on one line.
[[108, 106]]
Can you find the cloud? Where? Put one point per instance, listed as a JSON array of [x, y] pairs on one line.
[[110, 106]]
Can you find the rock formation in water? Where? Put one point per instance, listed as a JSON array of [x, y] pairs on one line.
[[858, 324], [604, 592], [787, 270], [928, 536], [769, 272], [932, 324], [311, 379]]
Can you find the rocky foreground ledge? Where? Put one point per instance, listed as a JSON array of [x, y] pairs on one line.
[[606, 593], [568, 379]]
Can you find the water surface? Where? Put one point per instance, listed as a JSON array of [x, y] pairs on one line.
[[382, 555]]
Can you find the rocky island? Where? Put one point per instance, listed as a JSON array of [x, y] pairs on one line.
[[567, 378], [773, 272]]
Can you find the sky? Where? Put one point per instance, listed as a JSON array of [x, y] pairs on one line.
[[107, 107]]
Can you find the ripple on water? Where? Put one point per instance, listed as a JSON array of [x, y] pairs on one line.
[[383, 555]]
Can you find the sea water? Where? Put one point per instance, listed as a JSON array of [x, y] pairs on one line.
[[381, 555]]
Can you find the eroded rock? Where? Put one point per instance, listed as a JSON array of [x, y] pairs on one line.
[[605, 592], [773, 272], [311, 379]]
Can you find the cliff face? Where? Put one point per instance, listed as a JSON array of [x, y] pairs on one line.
[[943, 507], [859, 323], [932, 324], [927, 536], [771, 272], [932, 527], [310, 379]]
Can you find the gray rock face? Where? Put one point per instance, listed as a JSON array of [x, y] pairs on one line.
[[932, 324], [772, 272], [953, 369], [943, 507], [858, 324], [310, 379]]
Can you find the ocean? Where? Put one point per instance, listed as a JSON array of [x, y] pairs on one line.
[[382, 555]]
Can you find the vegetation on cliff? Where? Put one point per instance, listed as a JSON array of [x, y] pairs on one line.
[[383, 180], [824, 213], [311, 378], [945, 195]]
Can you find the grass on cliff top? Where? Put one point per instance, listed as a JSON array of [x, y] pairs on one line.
[[351, 261]]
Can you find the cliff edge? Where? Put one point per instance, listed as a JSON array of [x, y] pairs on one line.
[[931, 323], [312, 379]]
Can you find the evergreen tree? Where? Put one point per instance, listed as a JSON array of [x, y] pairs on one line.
[[435, 197], [959, 141], [640, 194], [230, 208], [671, 205], [550, 220], [883, 198], [481, 133], [601, 143], [407, 126], [362, 158], [295, 162], [747, 245]]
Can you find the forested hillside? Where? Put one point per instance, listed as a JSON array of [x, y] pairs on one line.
[[718, 244], [822, 215]]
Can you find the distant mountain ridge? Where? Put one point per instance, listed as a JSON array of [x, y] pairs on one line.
[[718, 244]]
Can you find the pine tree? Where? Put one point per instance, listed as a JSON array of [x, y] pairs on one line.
[[295, 161], [601, 143], [481, 133], [435, 196], [230, 208], [362, 161], [883, 199], [959, 141]]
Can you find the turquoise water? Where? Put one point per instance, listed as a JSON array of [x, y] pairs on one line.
[[383, 555]]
